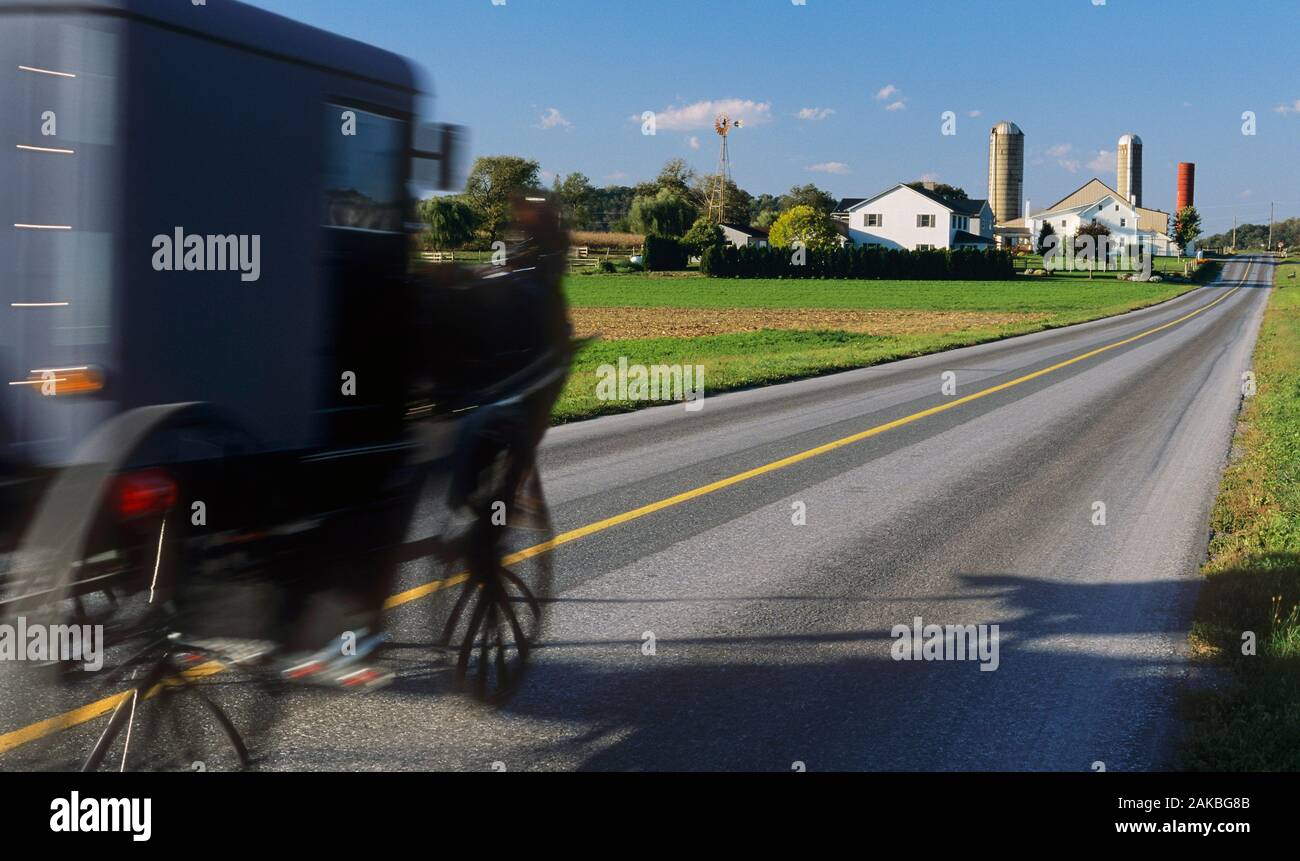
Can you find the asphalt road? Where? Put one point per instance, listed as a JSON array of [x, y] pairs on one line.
[[772, 641]]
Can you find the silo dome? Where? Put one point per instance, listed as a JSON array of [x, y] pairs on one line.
[[1007, 128]]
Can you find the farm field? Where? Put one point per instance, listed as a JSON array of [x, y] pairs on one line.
[[758, 332]]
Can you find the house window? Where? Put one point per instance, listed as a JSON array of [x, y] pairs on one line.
[[1062, 222], [925, 220], [1123, 222], [961, 222], [874, 219], [925, 247]]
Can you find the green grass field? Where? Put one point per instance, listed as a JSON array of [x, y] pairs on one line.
[[744, 359], [1023, 295], [1253, 574]]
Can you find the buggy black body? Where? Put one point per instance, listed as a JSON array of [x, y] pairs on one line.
[[203, 204], [202, 267], [219, 369]]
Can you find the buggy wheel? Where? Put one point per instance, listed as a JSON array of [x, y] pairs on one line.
[[159, 713], [498, 614], [488, 613]]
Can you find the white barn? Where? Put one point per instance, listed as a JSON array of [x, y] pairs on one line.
[[741, 235], [918, 219], [1129, 225]]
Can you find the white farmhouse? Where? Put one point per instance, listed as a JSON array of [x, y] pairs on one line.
[[918, 219], [1129, 225]]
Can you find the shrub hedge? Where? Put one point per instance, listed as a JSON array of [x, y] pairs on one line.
[[860, 261], [664, 254]]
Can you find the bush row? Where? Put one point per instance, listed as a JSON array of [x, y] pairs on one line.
[[862, 261], [664, 254]]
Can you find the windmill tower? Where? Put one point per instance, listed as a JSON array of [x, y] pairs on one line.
[[722, 124]]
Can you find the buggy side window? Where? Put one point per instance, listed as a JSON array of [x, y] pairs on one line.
[[365, 156]]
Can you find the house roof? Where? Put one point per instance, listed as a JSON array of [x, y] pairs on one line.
[[962, 206], [848, 203], [746, 229], [1090, 192], [962, 237], [952, 204], [1155, 220]]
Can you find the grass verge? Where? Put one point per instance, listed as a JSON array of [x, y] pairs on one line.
[[1252, 578]]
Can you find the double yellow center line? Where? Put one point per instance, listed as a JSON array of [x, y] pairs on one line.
[[89, 712]]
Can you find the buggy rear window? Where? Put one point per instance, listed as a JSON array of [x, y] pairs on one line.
[[364, 170]]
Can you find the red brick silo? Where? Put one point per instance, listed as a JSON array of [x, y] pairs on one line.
[[1186, 185]]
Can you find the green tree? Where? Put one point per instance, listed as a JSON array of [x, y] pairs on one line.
[[809, 195], [764, 210], [451, 221], [942, 189], [703, 234], [610, 206], [806, 225], [575, 196], [676, 176], [1098, 232], [1045, 231], [737, 204], [1187, 226], [492, 181], [667, 213]]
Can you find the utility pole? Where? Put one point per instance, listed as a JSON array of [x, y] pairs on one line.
[[1270, 227], [1234, 233]]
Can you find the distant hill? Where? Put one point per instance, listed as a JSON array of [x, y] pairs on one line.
[[1256, 235]]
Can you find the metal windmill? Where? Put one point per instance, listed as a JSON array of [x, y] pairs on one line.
[[722, 124]]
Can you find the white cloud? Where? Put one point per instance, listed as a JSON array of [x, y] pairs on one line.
[[553, 119], [1061, 152], [814, 113], [1293, 108], [1104, 159], [896, 106], [1245, 194], [885, 92], [829, 167], [618, 174], [693, 141], [974, 113], [699, 115]]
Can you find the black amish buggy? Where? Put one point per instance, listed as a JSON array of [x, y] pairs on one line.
[[228, 407]]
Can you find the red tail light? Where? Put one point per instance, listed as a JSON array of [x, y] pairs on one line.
[[142, 493]]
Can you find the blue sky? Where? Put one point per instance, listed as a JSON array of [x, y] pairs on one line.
[[560, 81]]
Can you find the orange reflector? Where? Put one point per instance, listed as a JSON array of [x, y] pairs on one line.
[[52, 382]]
